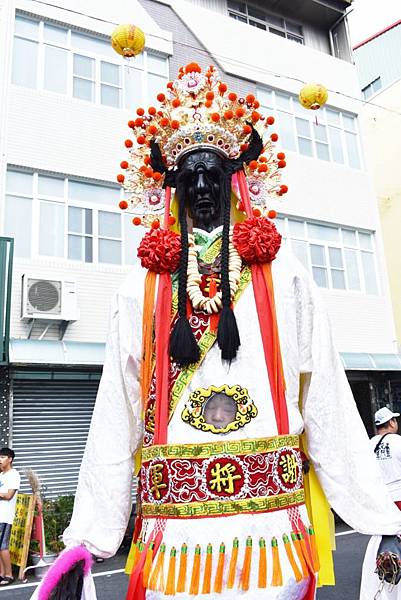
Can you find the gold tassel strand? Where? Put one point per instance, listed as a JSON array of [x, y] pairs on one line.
[[307, 555], [277, 577], [156, 580], [315, 554], [182, 572], [262, 576], [194, 587], [170, 586], [246, 568], [207, 577], [233, 564], [291, 559], [136, 553], [218, 581], [148, 564], [301, 558]]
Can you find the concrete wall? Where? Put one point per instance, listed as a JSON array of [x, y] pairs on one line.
[[379, 123]]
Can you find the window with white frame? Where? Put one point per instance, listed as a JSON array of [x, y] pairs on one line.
[[59, 59], [339, 258], [67, 218], [329, 135], [373, 87], [257, 17]]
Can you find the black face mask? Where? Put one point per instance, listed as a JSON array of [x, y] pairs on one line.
[[199, 181]]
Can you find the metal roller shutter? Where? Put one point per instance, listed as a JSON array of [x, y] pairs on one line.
[[49, 430]]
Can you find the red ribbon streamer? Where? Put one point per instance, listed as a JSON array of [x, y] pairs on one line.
[[265, 307], [162, 337]]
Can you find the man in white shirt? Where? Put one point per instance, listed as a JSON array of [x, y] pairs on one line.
[[9, 485], [387, 447]]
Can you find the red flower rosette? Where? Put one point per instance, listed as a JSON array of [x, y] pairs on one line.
[[160, 251], [256, 240]]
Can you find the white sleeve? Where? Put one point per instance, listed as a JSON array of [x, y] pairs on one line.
[[103, 498], [14, 480], [337, 441]]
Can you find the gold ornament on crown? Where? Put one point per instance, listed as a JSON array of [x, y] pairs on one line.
[[197, 112]]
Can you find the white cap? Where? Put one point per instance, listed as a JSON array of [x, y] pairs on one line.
[[384, 415]]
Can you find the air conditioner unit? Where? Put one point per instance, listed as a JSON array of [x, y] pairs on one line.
[[50, 299]]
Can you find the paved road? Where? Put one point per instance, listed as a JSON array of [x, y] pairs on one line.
[[348, 559], [112, 585]]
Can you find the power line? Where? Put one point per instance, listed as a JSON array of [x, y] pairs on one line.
[[234, 62]]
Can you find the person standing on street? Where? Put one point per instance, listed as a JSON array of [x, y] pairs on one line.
[[386, 445], [9, 485]]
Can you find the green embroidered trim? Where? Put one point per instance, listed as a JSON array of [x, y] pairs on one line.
[[229, 507], [232, 447], [206, 342]]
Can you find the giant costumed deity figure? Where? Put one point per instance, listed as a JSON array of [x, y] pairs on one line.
[[220, 378]]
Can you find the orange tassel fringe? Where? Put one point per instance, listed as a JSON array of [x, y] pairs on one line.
[[182, 572], [194, 587], [306, 552], [136, 553], [291, 559], [315, 554], [246, 568], [153, 579], [170, 586], [148, 564], [262, 576], [298, 548], [207, 577], [218, 581], [147, 334], [277, 577], [233, 564], [156, 580]]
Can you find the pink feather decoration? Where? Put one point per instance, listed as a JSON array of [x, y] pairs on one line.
[[65, 561]]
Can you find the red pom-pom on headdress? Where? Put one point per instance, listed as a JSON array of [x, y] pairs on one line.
[[160, 251], [256, 240]]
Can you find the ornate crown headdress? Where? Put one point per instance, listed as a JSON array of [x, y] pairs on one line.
[[197, 112]]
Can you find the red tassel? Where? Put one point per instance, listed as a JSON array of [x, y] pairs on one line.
[[162, 336]]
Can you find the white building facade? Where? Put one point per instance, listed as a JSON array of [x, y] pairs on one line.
[[65, 101]]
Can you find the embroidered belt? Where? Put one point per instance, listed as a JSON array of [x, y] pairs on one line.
[[222, 478]]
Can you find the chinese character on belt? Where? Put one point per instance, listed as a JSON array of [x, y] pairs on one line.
[[290, 468], [223, 478], [156, 476]]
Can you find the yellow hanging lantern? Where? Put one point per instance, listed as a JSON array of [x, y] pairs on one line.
[[313, 96], [128, 40]]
